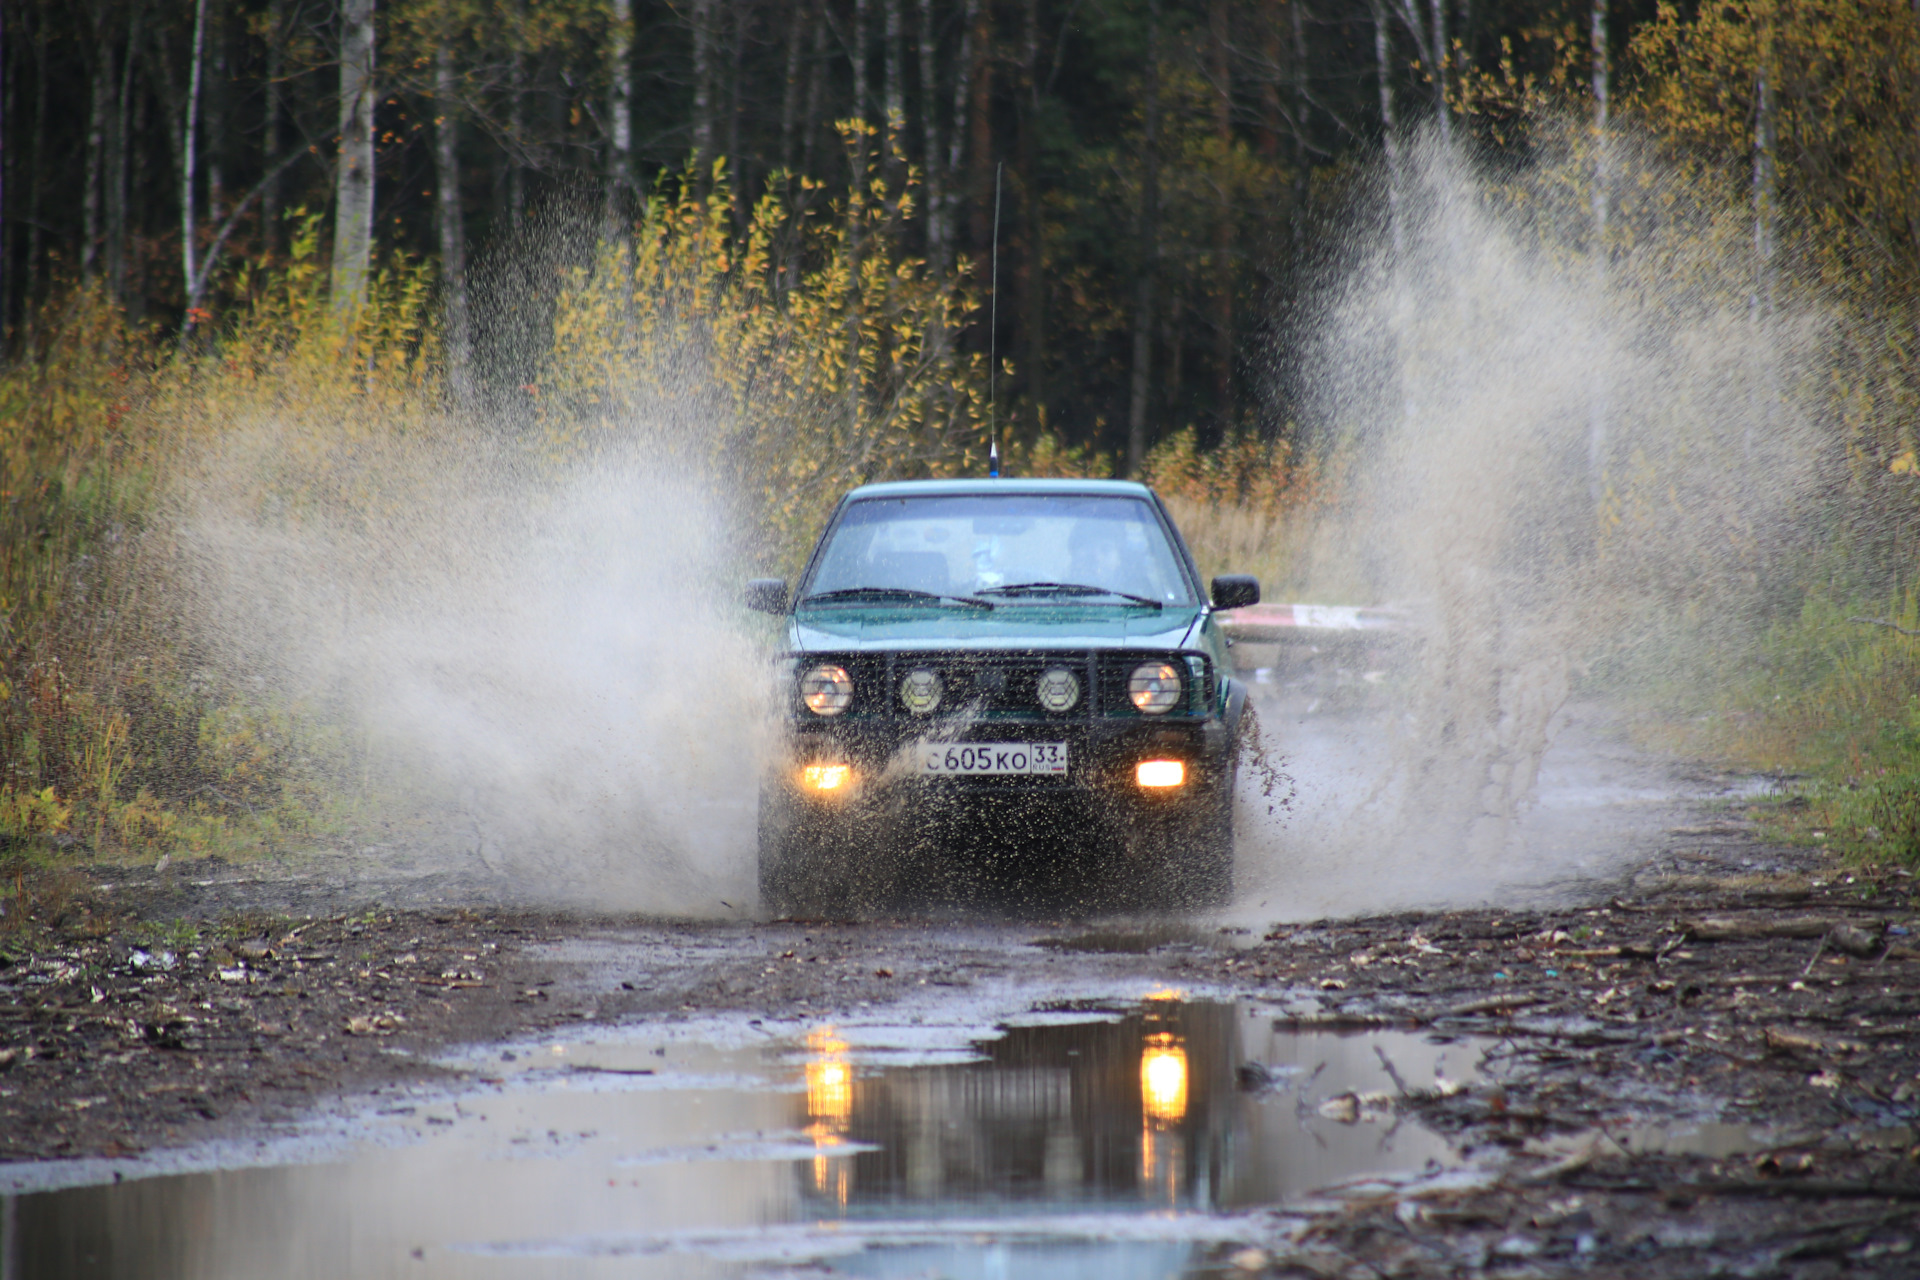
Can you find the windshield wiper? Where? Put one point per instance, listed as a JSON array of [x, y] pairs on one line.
[[1066, 589], [893, 593]]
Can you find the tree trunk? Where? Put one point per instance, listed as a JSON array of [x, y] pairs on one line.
[[861, 92], [816, 85], [1766, 384], [936, 163], [353, 177], [980, 141], [189, 129], [453, 232], [270, 132], [1033, 275], [1441, 56], [1763, 186], [213, 87], [963, 69], [857, 53], [39, 169], [790, 97], [1223, 226], [517, 118], [1147, 232], [620, 111], [1389, 127], [702, 14], [1597, 397], [1302, 124], [118, 144], [738, 161], [95, 159], [6, 157], [1272, 118], [896, 88]]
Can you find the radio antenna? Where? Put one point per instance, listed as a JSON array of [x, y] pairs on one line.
[[993, 338]]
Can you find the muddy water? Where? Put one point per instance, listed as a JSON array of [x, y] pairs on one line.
[[1085, 1144]]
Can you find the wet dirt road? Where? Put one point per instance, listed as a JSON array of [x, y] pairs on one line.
[[1697, 1057]]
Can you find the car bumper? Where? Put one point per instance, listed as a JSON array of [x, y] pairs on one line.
[[884, 763]]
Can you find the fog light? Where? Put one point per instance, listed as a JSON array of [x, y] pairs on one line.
[[826, 777], [1160, 773]]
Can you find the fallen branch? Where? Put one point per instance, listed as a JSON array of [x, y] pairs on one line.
[[1750, 929], [1781, 1040], [1492, 1004]]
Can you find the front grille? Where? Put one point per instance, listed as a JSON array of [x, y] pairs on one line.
[[1004, 684], [994, 684]]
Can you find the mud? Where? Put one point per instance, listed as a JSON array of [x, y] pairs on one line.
[[1704, 1065]]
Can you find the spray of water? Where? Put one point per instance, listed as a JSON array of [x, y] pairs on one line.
[[1566, 456], [525, 659], [1558, 451]]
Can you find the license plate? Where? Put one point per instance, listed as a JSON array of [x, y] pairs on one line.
[[994, 757]]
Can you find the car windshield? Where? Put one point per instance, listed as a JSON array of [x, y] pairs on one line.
[[1014, 548]]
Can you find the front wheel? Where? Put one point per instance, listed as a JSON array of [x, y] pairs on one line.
[[1208, 860], [806, 858]]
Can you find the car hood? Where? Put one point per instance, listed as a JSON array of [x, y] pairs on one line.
[[1007, 627]]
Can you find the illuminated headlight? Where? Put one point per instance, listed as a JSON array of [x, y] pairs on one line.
[[1058, 689], [827, 691], [1155, 687], [920, 691], [1160, 773]]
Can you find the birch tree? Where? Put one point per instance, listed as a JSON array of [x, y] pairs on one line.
[[620, 108], [353, 173], [1597, 398], [189, 131], [936, 161], [453, 233], [702, 18], [1147, 232], [1389, 126]]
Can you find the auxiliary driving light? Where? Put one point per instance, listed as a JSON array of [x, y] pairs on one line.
[[1160, 773], [827, 691], [1155, 687], [826, 777], [920, 691], [1058, 689]]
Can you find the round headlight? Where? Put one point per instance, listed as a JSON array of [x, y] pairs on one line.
[[920, 691], [827, 691], [1155, 687], [1058, 689]]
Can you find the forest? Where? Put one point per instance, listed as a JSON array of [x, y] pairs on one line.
[[1167, 177], [1109, 231]]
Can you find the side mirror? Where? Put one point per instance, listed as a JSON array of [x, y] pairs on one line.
[[769, 595], [1235, 590]]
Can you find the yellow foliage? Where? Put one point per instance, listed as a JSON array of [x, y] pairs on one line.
[[786, 363], [24, 814]]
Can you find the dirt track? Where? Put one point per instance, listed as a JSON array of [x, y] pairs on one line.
[[1724, 981]]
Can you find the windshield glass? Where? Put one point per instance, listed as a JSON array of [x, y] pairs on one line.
[[964, 544]]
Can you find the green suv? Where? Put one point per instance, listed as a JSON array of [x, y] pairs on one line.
[[1029, 659]]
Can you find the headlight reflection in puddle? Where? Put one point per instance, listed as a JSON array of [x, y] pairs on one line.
[[829, 1111], [1163, 1105]]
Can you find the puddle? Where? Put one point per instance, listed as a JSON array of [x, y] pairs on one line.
[[1080, 1146]]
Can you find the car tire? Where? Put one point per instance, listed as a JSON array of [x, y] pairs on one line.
[[1206, 866], [803, 861]]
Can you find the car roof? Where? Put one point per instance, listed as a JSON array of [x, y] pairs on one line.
[[943, 488]]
